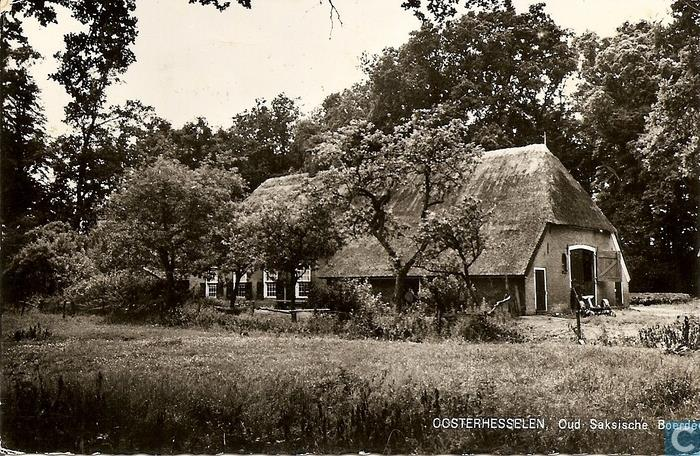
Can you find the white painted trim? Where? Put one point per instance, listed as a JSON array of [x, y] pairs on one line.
[[546, 294], [214, 280], [302, 279], [622, 258], [595, 266], [266, 280]]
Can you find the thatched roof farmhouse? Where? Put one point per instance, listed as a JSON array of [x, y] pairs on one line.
[[544, 235]]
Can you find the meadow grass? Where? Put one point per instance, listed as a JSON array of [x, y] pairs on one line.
[[92, 386]]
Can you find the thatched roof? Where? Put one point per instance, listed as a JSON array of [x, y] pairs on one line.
[[523, 189], [278, 187]]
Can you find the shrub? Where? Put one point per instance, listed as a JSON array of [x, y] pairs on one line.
[[124, 293], [52, 258], [343, 296], [445, 294], [35, 332], [684, 334], [482, 328], [647, 299]]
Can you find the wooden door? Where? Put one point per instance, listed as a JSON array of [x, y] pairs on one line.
[[540, 290]]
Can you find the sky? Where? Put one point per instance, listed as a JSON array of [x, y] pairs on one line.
[[196, 61]]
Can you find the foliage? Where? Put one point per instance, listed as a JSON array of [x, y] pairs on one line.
[[295, 230], [647, 299], [235, 241], [343, 296], [162, 218], [260, 143], [33, 332], [369, 168], [455, 241], [53, 257], [482, 328], [445, 294], [120, 292], [501, 71], [266, 397], [682, 335], [637, 103], [88, 167]]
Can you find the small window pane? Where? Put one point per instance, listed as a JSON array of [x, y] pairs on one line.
[[211, 290], [304, 289]]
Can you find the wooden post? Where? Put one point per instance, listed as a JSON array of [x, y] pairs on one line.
[[578, 325]]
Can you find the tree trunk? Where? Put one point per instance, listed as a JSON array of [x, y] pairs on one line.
[[234, 294], [170, 298], [293, 299], [399, 297]]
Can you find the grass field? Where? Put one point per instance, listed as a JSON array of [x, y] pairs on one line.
[[92, 386]]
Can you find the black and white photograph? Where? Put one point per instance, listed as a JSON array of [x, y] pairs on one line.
[[350, 227]]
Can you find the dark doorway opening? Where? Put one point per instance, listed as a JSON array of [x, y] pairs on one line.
[[540, 290], [582, 270]]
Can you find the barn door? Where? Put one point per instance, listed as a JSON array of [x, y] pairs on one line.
[[609, 266], [540, 290]]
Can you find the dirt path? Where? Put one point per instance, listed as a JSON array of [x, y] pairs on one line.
[[602, 329]]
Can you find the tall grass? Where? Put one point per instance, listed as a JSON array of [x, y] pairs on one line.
[[126, 388], [682, 334]]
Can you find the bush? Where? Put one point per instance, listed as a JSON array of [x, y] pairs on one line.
[[35, 332], [122, 292], [342, 296], [647, 299], [445, 294], [684, 334], [52, 258], [482, 328]]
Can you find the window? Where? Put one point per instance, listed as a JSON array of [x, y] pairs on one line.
[[241, 290], [270, 279], [303, 289], [270, 289], [212, 281], [304, 284]]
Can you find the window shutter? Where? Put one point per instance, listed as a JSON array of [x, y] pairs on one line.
[[608, 266], [203, 289], [229, 289], [219, 290], [249, 291]]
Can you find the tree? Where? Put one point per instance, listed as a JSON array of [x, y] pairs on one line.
[[636, 102], [455, 241], [162, 218], [88, 167], [294, 231], [235, 240], [259, 143], [669, 151], [53, 257], [502, 72], [22, 142], [371, 170]]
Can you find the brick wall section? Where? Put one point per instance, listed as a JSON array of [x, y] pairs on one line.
[[548, 255]]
